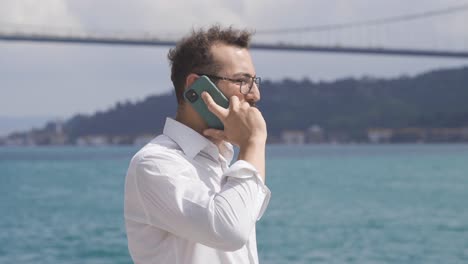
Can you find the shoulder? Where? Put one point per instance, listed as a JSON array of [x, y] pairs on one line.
[[161, 155]]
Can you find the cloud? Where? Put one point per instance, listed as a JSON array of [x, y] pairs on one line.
[[161, 17], [37, 16]]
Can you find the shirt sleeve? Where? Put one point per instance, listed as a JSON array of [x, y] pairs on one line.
[[187, 208], [244, 174]]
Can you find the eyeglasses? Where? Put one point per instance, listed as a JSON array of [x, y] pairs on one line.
[[245, 83]]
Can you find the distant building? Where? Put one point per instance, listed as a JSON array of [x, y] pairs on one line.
[[273, 139], [58, 139], [409, 134], [315, 134], [293, 137], [338, 137], [121, 140], [142, 140], [448, 134], [94, 141], [379, 135], [19, 141], [57, 136]]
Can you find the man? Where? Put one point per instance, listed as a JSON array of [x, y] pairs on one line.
[[184, 203]]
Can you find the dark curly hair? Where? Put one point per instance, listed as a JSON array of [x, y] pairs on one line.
[[192, 53]]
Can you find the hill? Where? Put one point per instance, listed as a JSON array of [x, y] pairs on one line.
[[346, 107]]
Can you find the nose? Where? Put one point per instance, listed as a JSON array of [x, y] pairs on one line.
[[254, 94]]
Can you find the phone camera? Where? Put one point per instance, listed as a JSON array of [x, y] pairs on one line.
[[191, 95]]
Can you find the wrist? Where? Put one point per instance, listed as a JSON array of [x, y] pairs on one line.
[[254, 142], [259, 138]]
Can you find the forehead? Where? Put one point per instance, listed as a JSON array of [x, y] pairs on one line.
[[233, 59]]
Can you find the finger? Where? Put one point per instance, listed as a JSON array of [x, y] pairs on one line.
[[245, 105], [234, 103], [216, 109], [255, 109], [215, 133]]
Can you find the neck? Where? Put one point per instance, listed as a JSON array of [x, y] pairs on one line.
[[187, 116]]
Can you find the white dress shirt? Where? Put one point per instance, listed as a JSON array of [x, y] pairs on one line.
[[184, 204]]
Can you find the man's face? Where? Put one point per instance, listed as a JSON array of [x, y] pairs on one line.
[[236, 63]]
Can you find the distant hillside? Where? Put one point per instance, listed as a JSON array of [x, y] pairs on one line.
[[348, 107], [434, 99], [125, 119]]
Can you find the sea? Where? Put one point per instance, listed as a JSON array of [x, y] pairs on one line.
[[330, 204]]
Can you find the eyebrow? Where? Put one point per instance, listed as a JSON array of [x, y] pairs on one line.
[[244, 74]]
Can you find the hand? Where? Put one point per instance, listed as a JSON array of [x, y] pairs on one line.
[[243, 124]]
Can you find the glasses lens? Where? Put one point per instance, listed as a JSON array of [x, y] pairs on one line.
[[247, 87], [258, 81]]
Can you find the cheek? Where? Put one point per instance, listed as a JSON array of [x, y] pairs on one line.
[[233, 92]]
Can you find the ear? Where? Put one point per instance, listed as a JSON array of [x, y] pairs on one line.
[[191, 78]]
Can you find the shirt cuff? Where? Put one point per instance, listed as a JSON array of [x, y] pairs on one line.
[[244, 170]]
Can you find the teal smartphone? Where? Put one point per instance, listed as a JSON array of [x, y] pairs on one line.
[[193, 97]]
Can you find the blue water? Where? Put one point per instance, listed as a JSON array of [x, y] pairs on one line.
[[330, 204]]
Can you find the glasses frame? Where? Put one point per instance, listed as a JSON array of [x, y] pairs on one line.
[[254, 79]]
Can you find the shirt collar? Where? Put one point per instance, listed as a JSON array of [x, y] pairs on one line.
[[192, 143]]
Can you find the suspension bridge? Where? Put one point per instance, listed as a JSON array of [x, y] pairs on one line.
[[18, 34]]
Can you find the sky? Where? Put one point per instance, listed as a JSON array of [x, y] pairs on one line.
[[61, 80]]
